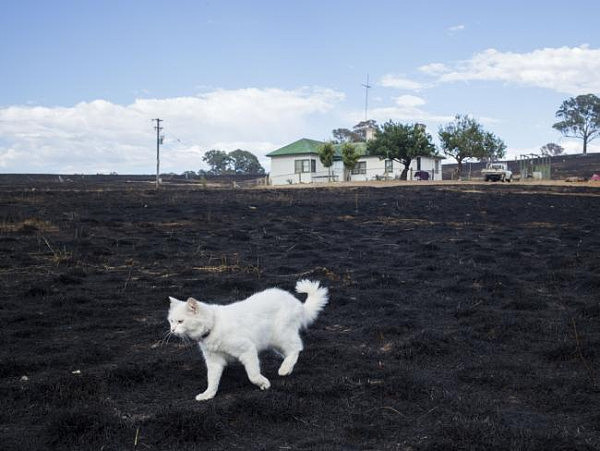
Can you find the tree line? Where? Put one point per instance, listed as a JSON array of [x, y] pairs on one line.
[[463, 138], [235, 162]]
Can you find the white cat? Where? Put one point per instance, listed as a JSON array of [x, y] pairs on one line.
[[271, 319]]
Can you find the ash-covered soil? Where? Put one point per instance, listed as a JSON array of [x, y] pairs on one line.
[[461, 317]]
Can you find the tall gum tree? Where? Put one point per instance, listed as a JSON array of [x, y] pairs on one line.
[[580, 118]]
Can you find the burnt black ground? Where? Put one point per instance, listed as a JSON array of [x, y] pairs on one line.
[[461, 317]]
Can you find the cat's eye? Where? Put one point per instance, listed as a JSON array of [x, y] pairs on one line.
[[179, 321]]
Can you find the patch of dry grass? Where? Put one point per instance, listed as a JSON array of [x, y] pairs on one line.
[[28, 225]]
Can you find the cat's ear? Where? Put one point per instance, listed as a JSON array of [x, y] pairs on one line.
[[193, 306], [174, 301]]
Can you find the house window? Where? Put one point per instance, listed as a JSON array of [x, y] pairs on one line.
[[389, 166], [418, 163], [360, 168], [305, 166]]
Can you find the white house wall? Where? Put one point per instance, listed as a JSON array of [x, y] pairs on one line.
[[376, 169], [432, 165], [283, 173], [283, 170]]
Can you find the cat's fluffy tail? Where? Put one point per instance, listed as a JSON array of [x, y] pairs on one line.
[[316, 300]]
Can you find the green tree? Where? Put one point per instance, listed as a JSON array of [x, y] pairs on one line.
[[326, 154], [343, 135], [493, 147], [350, 157], [402, 143], [551, 149], [244, 162], [219, 162], [580, 118], [361, 128], [189, 174], [356, 135], [465, 138]]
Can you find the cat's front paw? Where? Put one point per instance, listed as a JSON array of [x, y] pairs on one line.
[[204, 396], [286, 369], [263, 383]]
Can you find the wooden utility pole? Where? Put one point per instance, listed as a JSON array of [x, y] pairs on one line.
[[158, 139]]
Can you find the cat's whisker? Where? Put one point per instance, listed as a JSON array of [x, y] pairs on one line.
[[165, 338]]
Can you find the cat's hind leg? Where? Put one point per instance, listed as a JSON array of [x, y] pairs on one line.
[[250, 361], [291, 351]]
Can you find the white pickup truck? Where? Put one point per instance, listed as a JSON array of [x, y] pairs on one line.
[[496, 172]]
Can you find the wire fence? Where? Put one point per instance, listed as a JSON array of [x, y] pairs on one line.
[[252, 183]]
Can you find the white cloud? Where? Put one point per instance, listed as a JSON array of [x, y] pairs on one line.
[[409, 101], [570, 146], [435, 69], [406, 109], [100, 136], [571, 70], [456, 28], [576, 145], [400, 82]]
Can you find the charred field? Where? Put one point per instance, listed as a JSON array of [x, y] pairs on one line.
[[460, 316]]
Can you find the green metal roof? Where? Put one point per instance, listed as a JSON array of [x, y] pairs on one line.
[[302, 146], [310, 146]]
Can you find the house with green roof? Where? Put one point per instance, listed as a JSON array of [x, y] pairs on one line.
[[299, 162]]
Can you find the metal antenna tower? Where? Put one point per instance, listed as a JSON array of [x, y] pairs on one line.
[[367, 86]]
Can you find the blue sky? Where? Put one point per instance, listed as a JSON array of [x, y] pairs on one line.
[[81, 80]]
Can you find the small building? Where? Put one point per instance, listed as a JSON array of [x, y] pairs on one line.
[[299, 162]]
